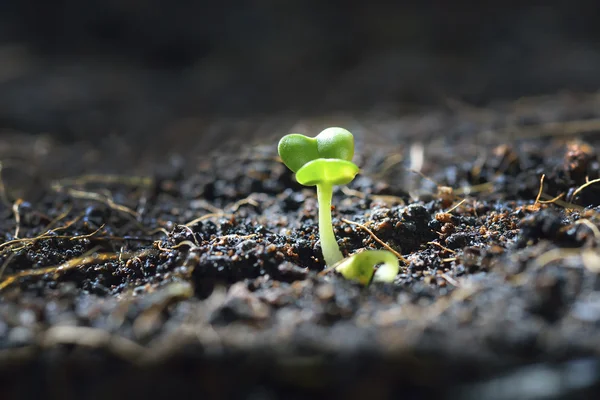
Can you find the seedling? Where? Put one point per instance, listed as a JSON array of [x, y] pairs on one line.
[[325, 161]]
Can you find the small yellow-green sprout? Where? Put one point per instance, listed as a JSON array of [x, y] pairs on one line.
[[325, 161], [359, 267]]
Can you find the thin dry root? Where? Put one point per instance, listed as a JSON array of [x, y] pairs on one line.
[[82, 180], [207, 216], [454, 207], [17, 213], [580, 188], [442, 247], [80, 194], [537, 198], [73, 263], [381, 242], [553, 200]]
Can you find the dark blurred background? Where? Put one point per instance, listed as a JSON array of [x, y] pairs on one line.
[[137, 69]]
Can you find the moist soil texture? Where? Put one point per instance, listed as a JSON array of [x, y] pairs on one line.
[[200, 275]]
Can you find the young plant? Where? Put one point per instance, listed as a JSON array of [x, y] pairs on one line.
[[325, 161]]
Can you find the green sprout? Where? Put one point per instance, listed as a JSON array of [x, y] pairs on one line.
[[325, 161], [359, 267]]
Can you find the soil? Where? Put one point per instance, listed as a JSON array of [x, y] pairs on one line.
[[158, 276]]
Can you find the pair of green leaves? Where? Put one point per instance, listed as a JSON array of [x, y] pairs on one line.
[[324, 159]]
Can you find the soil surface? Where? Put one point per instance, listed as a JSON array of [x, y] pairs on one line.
[[126, 274]]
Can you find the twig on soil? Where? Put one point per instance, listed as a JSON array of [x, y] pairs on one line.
[[383, 197], [235, 236], [81, 194], [442, 247], [537, 198], [79, 237], [201, 203], [25, 240], [67, 225], [17, 214], [191, 232], [551, 201], [388, 198], [106, 179], [540, 194], [456, 206], [115, 238], [580, 188], [192, 245], [196, 246], [74, 263], [5, 263], [60, 217], [381, 242], [248, 200], [157, 230], [564, 204], [207, 216], [46, 235]]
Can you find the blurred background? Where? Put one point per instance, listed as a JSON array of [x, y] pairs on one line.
[[149, 71]]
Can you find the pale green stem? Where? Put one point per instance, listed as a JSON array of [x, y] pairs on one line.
[[331, 250]]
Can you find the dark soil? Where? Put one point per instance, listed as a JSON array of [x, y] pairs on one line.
[[201, 276]]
